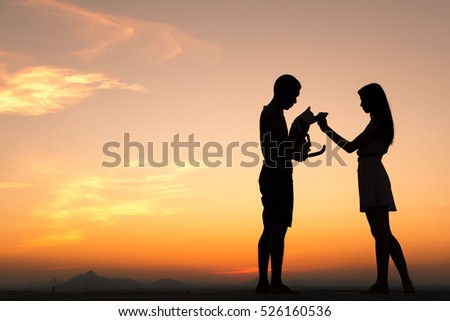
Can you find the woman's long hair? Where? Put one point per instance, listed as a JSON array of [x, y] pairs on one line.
[[375, 97]]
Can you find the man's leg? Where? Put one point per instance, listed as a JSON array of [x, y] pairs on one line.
[[263, 261], [277, 236]]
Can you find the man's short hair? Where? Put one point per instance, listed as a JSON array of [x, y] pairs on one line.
[[286, 84]]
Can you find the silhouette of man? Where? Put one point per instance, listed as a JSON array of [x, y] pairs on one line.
[[275, 183]]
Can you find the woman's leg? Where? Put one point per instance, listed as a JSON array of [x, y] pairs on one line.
[[387, 245], [380, 231], [396, 252]]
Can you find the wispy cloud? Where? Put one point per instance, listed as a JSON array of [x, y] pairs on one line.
[[38, 89], [162, 42], [13, 58], [14, 185], [95, 200], [102, 199], [41, 90], [67, 237], [242, 271], [106, 32]]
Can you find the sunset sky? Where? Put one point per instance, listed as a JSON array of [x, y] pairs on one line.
[[75, 75]]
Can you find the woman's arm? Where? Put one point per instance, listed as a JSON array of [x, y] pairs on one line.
[[349, 146]]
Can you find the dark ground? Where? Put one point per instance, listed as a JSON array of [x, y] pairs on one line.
[[227, 295]]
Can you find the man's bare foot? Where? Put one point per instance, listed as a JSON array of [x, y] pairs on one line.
[[263, 287]]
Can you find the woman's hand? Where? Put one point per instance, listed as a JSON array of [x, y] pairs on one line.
[[322, 121]]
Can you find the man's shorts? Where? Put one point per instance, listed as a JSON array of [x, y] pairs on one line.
[[277, 191]]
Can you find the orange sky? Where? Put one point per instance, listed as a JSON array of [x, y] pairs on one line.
[[75, 75]]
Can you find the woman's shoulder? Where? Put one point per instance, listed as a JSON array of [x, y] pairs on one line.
[[376, 135], [374, 127]]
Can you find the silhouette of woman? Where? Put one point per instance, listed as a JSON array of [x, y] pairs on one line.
[[375, 193]]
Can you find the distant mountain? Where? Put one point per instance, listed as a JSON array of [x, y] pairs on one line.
[[90, 281], [168, 284]]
